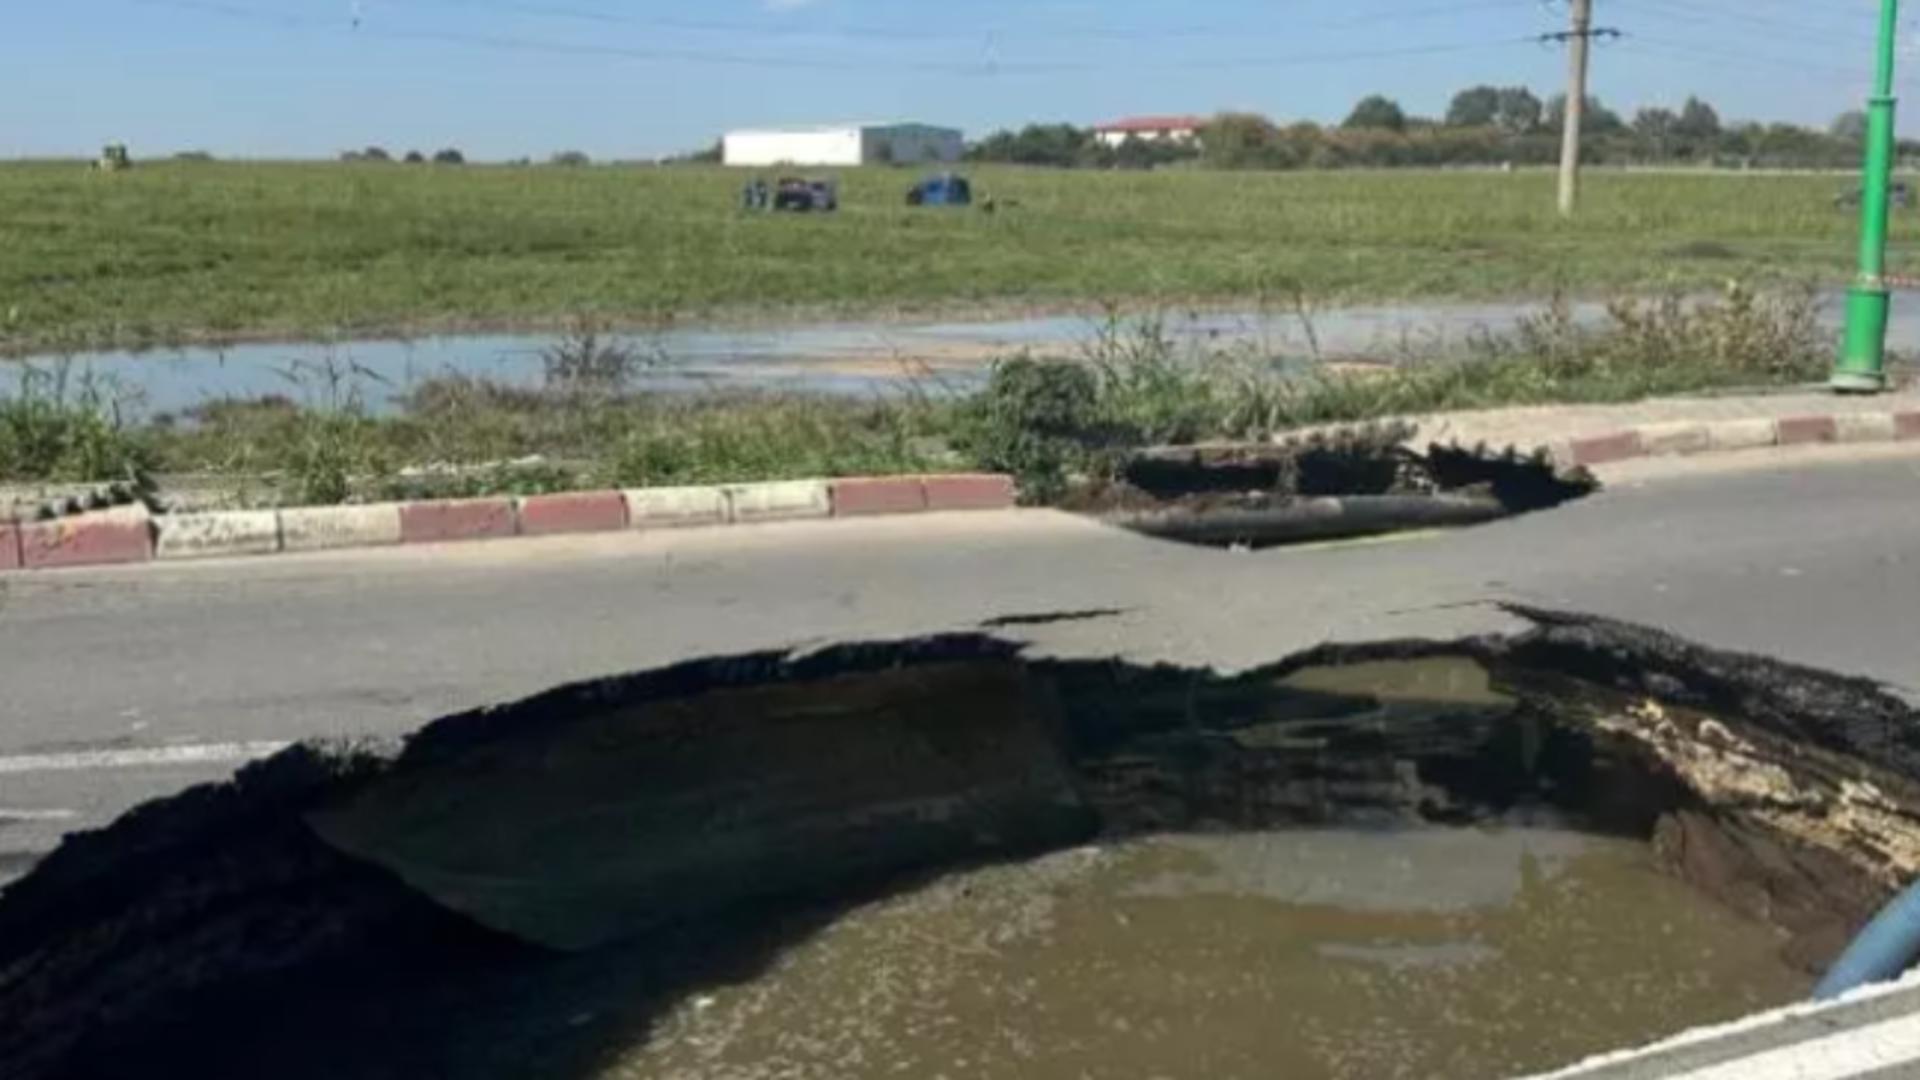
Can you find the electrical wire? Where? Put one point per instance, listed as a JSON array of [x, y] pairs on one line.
[[520, 43]]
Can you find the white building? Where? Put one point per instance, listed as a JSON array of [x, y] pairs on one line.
[[844, 145], [1173, 129]]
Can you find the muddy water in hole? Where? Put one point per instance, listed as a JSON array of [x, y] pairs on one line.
[[1421, 953]]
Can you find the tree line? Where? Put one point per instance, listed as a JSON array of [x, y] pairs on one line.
[[1483, 125]]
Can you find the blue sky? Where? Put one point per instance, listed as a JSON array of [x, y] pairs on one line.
[[637, 78]]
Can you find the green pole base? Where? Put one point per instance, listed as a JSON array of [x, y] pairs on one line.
[[1862, 366]]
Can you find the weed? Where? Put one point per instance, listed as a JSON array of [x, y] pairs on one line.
[[59, 425]]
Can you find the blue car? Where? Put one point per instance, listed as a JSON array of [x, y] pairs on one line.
[[947, 189]]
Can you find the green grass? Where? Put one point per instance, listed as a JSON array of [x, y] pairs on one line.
[[177, 252], [1046, 421]]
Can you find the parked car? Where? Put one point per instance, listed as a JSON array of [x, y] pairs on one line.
[[944, 189], [798, 195]]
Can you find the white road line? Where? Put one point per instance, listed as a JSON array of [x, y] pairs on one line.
[[146, 757], [38, 815]]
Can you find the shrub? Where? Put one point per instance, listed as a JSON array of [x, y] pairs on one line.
[[570, 159], [1039, 421], [449, 157]]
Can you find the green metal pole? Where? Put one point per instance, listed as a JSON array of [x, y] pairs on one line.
[[1862, 366]]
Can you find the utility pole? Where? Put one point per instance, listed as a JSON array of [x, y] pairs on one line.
[[1862, 365], [1579, 39]]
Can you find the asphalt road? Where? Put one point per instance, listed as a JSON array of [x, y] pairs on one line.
[[116, 685]]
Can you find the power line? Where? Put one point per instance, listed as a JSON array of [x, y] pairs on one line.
[[813, 27], [520, 43], [1688, 12], [1748, 60]]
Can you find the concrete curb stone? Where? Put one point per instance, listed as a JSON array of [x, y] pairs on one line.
[[1757, 434], [1906, 425], [1661, 440], [1801, 430], [1602, 449], [1865, 427], [782, 500], [9, 546], [574, 512], [866, 496], [211, 535], [105, 538], [979, 491], [676, 507], [327, 528], [459, 519]]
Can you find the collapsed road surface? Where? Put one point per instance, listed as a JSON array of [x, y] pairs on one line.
[[594, 881], [118, 686]]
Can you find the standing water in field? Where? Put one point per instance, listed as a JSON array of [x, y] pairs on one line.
[[847, 358], [1324, 953]]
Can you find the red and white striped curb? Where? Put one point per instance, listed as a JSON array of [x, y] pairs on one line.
[[131, 535], [1672, 439]]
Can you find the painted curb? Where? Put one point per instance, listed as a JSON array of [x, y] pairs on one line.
[[1865, 427], [781, 500], [329, 528], [456, 520], [1742, 435], [1685, 438], [980, 491], [866, 497], [676, 507], [1662, 440], [106, 538], [575, 512], [1803, 430], [212, 535], [9, 546]]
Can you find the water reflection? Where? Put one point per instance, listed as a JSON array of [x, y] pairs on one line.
[[1319, 953]]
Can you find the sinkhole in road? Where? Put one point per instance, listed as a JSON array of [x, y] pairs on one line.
[[1339, 484], [940, 857]]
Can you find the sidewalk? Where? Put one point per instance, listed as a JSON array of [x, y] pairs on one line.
[[1683, 425]]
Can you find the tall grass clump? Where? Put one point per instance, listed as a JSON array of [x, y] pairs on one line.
[[59, 425]]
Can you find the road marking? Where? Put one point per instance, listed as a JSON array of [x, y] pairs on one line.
[[38, 815], [201, 754]]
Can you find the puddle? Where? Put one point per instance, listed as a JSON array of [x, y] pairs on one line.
[[941, 858], [1305, 955], [845, 358]]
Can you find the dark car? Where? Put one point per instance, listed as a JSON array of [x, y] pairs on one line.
[[798, 195]]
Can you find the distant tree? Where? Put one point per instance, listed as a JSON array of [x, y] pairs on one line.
[[1598, 119], [199, 157], [1518, 112], [1850, 126], [449, 156], [1059, 145], [1376, 112], [415, 157], [1240, 141], [374, 153], [1698, 121], [1654, 128], [570, 159], [1476, 106]]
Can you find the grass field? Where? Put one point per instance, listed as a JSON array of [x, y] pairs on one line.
[[179, 252]]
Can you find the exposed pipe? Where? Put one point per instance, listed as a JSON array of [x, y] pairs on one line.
[[1881, 952]]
